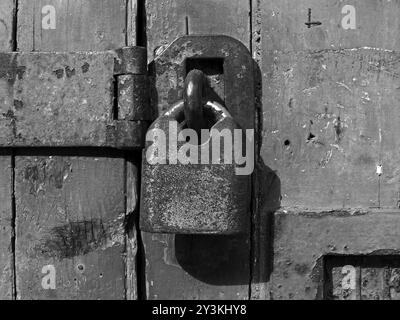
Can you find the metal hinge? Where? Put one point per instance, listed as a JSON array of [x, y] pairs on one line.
[[80, 99]]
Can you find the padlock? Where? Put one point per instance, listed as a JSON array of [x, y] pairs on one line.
[[191, 182]]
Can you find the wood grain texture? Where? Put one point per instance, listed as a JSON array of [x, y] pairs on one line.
[[6, 226], [132, 184], [81, 211], [284, 28], [328, 118], [169, 19], [7, 8], [196, 267], [70, 214], [329, 122], [6, 254], [132, 22], [80, 25]]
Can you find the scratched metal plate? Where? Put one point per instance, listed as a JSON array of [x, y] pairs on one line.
[[64, 99]]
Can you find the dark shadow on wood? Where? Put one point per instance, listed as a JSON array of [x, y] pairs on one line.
[[213, 259], [238, 259]]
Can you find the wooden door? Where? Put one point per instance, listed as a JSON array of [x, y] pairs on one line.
[[329, 74], [196, 266], [325, 211], [326, 181], [67, 225]]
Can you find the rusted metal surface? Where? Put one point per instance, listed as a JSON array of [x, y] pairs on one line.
[[133, 98], [66, 99], [130, 60], [198, 198], [169, 70], [193, 198], [193, 97]]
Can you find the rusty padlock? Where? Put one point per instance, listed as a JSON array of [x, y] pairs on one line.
[[191, 181], [205, 197]]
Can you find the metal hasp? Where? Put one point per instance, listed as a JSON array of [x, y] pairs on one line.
[[198, 197], [82, 99]]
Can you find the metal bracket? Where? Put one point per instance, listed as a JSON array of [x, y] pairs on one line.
[[198, 198], [232, 77], [82, 99]]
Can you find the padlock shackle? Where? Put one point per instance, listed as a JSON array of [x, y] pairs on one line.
[[193, 96]]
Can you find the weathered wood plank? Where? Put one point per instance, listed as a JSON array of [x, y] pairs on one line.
[[167, 20], [78, 25], [196, 267], [6, 216], [304, 240], [284, 24], [132, 192], [325, 118], [328, 118], [192, 267], [70, 215], [329, 128], [7, 9], [73, 220]]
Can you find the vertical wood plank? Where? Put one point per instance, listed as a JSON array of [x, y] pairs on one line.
[[310, 156], [7, 9], [132, 22], [167, 20], [71, 208], [185, 266], [6, 254], [70, 214], [131, 241], [285, 26], [79, 25]]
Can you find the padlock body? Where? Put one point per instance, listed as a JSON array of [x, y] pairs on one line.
[[194, 198]]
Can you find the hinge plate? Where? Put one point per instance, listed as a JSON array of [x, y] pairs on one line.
[[52, 99]]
